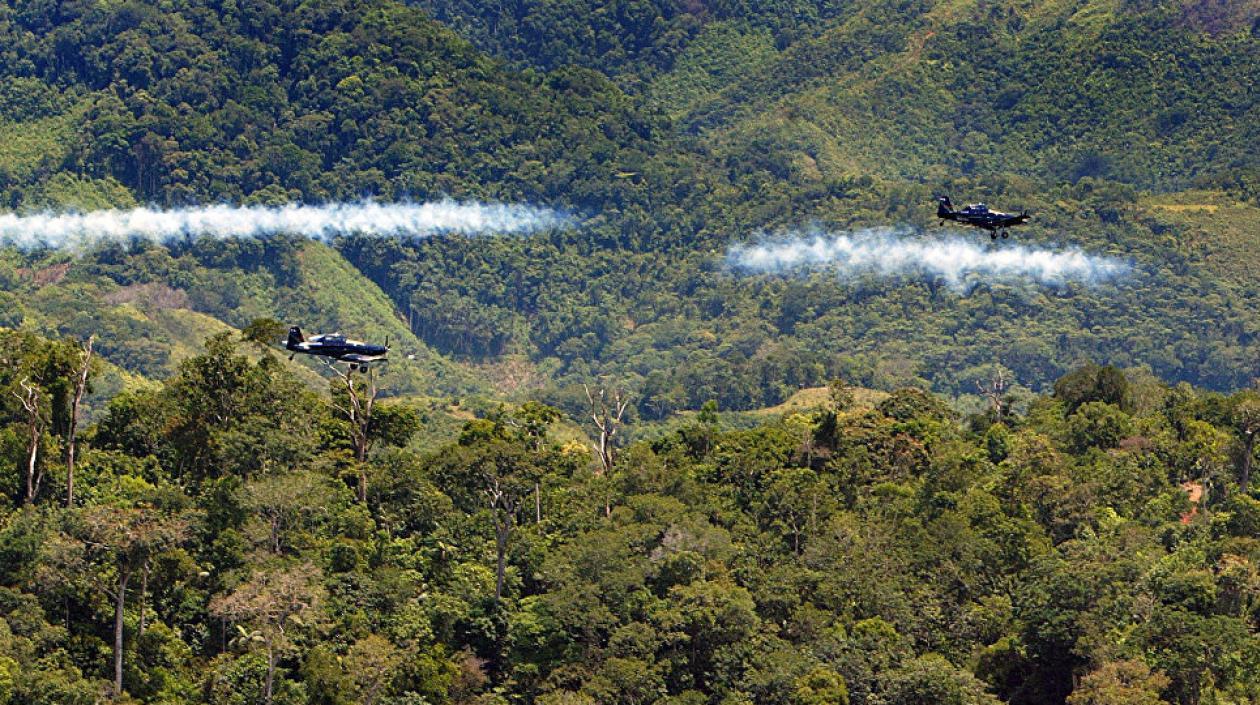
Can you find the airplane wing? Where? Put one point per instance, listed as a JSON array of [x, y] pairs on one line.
[[360, 359]]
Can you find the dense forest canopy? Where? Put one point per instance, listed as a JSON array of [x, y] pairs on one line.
[[228, 543], [574, 483]]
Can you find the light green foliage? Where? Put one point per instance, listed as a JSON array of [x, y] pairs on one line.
[[1120, 683], [722, 53], [67, 192], [821, 686], [932, 679]]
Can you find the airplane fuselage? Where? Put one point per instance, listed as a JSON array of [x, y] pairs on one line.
[[335, 346], [979, 216], [339, 350]]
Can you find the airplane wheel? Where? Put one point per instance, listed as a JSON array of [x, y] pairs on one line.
[[1005, 234], [993, 236]]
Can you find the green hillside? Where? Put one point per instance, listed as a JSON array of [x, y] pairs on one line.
[[1051, 92], [331, 295], [689, 127]]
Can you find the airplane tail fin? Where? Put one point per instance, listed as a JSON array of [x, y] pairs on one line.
[[945, 207], [295, 336]]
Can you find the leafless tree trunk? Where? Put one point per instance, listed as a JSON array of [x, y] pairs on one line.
[[606, 414], [120, 599], [995, 392], [358, 411], [144, 591], [1249, 444], [34, 429], [503, 506], [80, 387], [271, 672]]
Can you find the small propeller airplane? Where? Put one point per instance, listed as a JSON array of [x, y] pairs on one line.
[[979, 216], [337, 347]]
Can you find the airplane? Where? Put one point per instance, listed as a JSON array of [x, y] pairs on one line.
[[979, 216], [337, 347]]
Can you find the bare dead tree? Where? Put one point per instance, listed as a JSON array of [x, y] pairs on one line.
[[29, 398], [358, 411], [80, 387], [606, 413], [995, 392]]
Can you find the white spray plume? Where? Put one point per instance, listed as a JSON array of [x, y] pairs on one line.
[[73, 230], [890, 252]]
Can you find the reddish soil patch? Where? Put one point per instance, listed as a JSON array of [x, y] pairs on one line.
[[152, 295], [1195, 491], [1217, 17], [47, 275]]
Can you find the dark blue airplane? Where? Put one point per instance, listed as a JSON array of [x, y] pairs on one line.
[[979, 216], [336, 346]]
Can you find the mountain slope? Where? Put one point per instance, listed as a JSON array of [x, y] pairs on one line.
[[847, 116], [331, 295], [1047, 91]]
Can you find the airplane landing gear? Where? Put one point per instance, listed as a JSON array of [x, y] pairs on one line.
[[993, 234], [1005, 234]]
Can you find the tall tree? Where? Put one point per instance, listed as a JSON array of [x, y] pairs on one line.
[[80, 388], [281, 503], [505, 483], [372, 661], [30, 396], [489, 470], [1246, 418], [606, 413], [103, 547], [607, 410], [1120, 683], [356, 405], [271, 603]]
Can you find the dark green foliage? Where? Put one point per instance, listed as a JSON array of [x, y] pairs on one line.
[[859, 556], [1092, 383]]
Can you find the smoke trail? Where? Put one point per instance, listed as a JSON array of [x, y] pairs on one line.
[[74, 230], [887, 252]]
